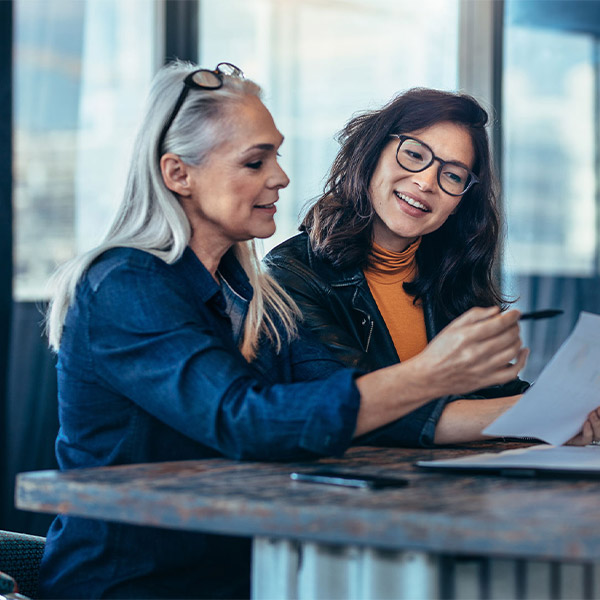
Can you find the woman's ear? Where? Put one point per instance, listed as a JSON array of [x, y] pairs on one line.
[[175, 174]]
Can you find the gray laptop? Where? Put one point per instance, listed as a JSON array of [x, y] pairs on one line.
[[542, 460]]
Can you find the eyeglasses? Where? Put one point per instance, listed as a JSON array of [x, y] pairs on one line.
[[202, 79], [416, 156]]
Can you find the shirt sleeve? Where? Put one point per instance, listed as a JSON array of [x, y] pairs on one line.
[[417, 429], [162, 349]]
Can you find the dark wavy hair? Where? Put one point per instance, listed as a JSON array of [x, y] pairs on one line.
[[455, 262]]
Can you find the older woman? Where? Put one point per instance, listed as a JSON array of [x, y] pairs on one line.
[[400, 249]]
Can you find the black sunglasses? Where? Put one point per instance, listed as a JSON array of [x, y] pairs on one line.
[[416, 156], [201, 79]]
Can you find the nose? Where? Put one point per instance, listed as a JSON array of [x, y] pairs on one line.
[[279, 178], [426, 180]]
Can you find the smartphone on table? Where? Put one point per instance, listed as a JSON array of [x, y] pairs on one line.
[[345, 479]]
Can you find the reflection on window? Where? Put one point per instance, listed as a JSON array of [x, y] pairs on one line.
[[319, 62], [550, 149], [81, 71]]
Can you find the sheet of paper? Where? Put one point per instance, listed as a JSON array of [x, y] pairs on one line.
[[556, 406]]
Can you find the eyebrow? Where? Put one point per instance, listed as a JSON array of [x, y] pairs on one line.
[[266, 147], [453, 161], [457, 162], [460, 163]]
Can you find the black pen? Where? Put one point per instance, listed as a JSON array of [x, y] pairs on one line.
[[541, 314]]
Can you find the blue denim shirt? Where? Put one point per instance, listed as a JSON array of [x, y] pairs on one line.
[[149, 370]]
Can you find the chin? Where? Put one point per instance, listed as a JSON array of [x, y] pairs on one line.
[[264, 234]]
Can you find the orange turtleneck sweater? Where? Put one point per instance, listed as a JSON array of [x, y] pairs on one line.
[[385, 274]]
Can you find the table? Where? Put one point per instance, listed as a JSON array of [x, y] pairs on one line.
[[444, 535]]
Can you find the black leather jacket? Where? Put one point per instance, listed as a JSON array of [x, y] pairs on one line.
[[337, 305]]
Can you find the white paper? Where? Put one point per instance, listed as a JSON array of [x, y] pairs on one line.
[[567, 390]]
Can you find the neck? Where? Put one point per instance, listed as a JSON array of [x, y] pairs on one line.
[[383, 237], [209, 254], [395, 244]]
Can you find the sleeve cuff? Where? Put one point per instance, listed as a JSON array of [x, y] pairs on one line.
[[330, 428], [417, 429]]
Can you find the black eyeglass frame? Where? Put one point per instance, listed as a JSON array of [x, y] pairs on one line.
[[190, 83], [473, 179]]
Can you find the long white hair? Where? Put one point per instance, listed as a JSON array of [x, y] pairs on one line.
[[151, 218]]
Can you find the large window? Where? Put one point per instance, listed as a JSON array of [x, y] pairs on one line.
[[81, 71], [551, 124], [319, 62], [551, 143]]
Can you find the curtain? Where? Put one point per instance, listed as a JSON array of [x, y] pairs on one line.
[[31, 422]]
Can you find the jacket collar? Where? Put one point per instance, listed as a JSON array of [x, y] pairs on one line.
[[335, 276], [353, 276]]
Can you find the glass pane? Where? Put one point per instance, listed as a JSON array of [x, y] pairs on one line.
[[321, 62], [551, 156], [81, 71], [550, 140]]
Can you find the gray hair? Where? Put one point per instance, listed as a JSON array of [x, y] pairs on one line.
[[150, 217]]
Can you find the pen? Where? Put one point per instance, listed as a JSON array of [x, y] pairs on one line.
[[541, 314]]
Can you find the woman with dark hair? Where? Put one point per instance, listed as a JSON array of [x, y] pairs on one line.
[[401, 243]]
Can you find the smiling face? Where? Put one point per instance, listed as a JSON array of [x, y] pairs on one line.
[[231, 196], [408, 205]]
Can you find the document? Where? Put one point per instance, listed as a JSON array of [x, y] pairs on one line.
[[567, 390]]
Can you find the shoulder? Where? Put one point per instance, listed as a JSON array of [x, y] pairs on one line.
[[294, 265], [296, 257], [296, 248], [137, 287], [118, 260], [292, 258]]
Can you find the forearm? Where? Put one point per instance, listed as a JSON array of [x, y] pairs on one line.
[[480, 348], [464, 420], [391, 393]]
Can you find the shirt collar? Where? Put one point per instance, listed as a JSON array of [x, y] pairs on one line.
[[231, 270], [202, 282]]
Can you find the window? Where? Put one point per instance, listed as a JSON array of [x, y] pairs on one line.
[[551, 175], [550, 151], [81, 71], [319, 62]]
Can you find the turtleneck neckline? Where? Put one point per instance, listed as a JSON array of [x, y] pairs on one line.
[[389, 264]]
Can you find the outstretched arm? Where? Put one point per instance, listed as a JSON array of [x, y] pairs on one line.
[[480, 348], [464, 420]]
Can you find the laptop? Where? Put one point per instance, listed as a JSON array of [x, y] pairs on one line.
[[534, 461]]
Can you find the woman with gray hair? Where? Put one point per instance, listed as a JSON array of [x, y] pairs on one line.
[[173, 344]]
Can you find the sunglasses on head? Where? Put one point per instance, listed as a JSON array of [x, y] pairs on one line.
[[201, 79]]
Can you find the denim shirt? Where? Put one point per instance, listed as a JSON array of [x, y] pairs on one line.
[[149, 370]]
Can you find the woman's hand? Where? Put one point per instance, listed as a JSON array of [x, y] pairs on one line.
[[480, 348], [590, 432], [473, 352]]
